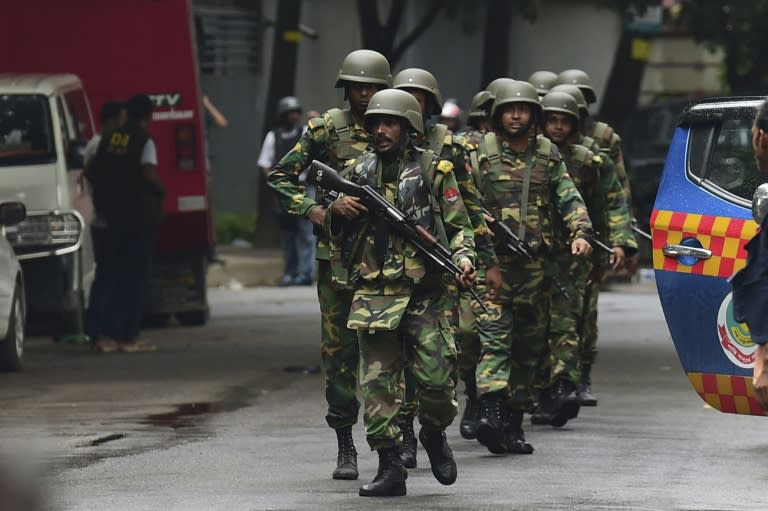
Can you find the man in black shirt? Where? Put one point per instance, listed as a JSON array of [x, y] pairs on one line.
[[128, 196]]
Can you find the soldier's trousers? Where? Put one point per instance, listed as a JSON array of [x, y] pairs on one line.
[[566, 318], [450, 306], [468, 336], [513, 335], [423, 343], [340, 351], [589, 325]]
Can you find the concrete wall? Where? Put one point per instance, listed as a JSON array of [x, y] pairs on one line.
[[566, 34]]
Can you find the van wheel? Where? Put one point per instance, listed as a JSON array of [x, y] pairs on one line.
[[12, 347], [193, 318]]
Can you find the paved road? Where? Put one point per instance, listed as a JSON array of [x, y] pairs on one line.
[[214, 421]]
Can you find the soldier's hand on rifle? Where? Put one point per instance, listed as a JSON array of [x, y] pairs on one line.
[[618, 258], [468, 274], [581, 247], [348, 207], [316, 215], [493, 282]]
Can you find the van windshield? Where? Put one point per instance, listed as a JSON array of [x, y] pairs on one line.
[[26, 137]]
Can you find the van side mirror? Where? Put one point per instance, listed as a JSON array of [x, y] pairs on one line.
[[760, 203], [12, 213], [75, 154]]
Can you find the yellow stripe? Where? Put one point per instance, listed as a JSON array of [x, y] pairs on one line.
[[724, 387], [697, 381], [691, 223], [742, 404]]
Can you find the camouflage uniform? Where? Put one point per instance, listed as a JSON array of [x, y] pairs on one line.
[[397, 304], [511, 350], [572, 272], [610, 143], [619, 234], [326, 141], [453, 148]]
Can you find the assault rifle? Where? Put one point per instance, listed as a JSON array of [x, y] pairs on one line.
[[327, 178], [518, 246]]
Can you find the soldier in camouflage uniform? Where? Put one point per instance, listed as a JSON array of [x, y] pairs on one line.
[[603, 133], [558, 401], [543, 81], [335, 138], [620, 237], [525, 184], [477, 122], [440, 140], [397, 303]]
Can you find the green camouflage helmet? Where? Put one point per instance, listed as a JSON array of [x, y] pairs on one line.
[[560, 102], [416, 78], [581, 80], [398, 103], [577, 95], [543, 81], [494, 85], [480, 104], [364, 66], [515, 92]]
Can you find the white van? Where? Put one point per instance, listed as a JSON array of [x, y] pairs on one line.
[[45, 122]]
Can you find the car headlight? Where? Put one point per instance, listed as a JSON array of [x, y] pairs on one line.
[[54, 230]]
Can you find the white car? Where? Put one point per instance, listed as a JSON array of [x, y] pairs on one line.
[[12, 299]]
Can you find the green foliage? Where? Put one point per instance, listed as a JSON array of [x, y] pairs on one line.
[[231, 226], [738, 27]]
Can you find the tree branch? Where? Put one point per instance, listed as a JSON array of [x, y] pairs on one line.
[[435, 6]]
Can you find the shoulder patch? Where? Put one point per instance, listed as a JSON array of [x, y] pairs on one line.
[[445, 166]]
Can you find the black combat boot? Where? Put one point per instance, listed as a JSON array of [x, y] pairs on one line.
[[440, 455], [409, 445], [468, 425], [585, 389], [390, 478], [490, 427], [346, 460], [565, 402], [542, 410], [514, 439]]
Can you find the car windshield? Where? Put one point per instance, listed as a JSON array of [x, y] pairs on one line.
[[26, 137]]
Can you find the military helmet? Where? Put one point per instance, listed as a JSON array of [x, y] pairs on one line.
[[494, 85], [581, 80], [481, 104], [288, 104], [398, 103], [577, 95], [543, 81], [560, 102], [416, 78], [364, 66], [515, 92]]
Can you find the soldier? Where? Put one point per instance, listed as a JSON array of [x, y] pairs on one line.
[[604, 134], [477, 122], [619, 236], [439, 139], [558, 400], [335, 138], [397, 304], [543, 81], [524, 184]]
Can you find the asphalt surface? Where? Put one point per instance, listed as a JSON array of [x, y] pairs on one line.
[[231, 417]]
